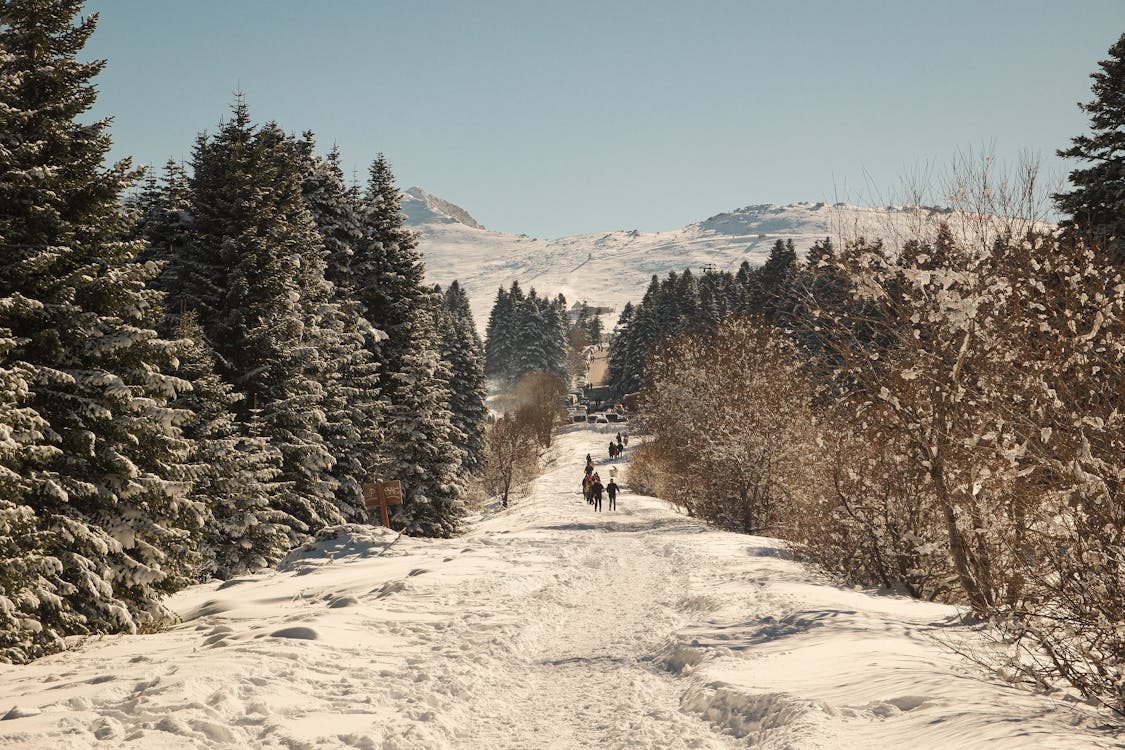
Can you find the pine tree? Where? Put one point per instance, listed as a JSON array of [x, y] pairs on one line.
[[422, 439], [106, 479], [389, 270], [1096, 206], [461, 349], [30, 603], [254, 273], [164, 223], [619, 364], [500, 337], [353, 404], [237, 476]]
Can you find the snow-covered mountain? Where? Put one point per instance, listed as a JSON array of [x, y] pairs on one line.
[[607, 269], [422, 208]]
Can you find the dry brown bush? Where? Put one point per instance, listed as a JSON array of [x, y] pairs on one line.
[[730, 419]]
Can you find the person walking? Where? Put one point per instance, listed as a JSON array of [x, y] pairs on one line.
[[597, 492], [612, 449], [611, 490]]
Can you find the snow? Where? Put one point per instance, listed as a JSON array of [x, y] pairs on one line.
[[544, 626]]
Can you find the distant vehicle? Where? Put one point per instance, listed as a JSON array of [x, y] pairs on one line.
[[601, 420], [592, 418], [578, 418], [613, 416]]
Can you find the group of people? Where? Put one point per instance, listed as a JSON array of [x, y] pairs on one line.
[[593, 489], [616, 448]]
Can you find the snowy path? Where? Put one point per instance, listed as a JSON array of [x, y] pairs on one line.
[[547, 626]]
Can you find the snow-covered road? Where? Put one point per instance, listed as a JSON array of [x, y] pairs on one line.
[[546, 626]]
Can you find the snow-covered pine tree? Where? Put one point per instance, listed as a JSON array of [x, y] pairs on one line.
[[533, 335], [30, 606], [353, 404], [111, 509], [238, 471], [1096, 206], [500, 337], [460, 348], [638, 339], [558, 315], [422, 439], [388, 270], [618, 355], [164, 223], [254, 273]]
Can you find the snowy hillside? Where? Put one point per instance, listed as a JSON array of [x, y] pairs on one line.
[[546, 626], [612, 268]]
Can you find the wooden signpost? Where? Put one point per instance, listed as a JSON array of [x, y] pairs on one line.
[[382, 494]]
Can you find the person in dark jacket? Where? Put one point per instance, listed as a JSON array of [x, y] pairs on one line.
[[611, 490], [596, 491]]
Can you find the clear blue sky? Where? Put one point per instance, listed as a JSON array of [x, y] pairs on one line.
[[561, 117]]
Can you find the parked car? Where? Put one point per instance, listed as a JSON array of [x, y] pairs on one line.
[[601, 420], [612, 416], [591, 418]]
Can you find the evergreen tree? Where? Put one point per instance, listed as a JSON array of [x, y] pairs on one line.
[[254, 273], [32, 614], [238, 473], [102, 491], [390, 270], [461, 349], [501, 336], [164, 223], [422, 439], [1096, 206], [353, 405], [619, 364]]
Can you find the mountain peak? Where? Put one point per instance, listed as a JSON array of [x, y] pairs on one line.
[[422, 207]]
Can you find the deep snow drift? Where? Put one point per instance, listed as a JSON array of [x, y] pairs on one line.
[[545, 626]]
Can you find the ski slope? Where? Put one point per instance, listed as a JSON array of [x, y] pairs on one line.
[[545, 626]]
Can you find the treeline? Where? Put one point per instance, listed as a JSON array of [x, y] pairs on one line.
[[684, 302], [944, 417], [195, 379]]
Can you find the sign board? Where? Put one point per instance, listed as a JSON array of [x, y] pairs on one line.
[[392, 492], [381, 494], [370, 495]]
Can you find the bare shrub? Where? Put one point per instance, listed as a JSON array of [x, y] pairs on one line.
[[982, 364], [729, 416], [511, 456], [873, 522]]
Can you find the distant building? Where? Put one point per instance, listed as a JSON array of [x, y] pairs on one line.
[[576, 309]]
